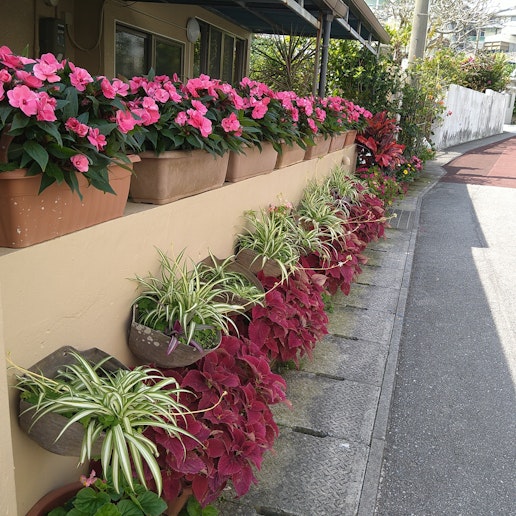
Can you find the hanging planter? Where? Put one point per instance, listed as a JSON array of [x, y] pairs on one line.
[[320, 148], [46, 429], [28, 217], [173, 175], [251, 162], [255, 262], [152, 346]]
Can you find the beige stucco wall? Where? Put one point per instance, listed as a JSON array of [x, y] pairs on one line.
[[77, 290]]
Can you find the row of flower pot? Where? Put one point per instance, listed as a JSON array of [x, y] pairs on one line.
[[29, 216]]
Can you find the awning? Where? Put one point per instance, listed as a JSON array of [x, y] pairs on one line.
[[351, 20]]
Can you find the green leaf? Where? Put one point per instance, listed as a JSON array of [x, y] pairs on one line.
[[152, 504], [53, 131], [71, 108], [19, 121], [5, 111], [37, 153]]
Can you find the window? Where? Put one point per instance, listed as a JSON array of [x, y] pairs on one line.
[[136, 52], [219, 54]]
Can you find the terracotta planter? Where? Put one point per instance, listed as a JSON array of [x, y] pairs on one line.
[[321, 147], [28, 218], [252, 162], [151, 346], [174, 175], [350, 138], [47, 428], [54, 499], [337, 142], [251, 260], [290, 155]]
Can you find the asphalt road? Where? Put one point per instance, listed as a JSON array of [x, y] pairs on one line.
[[451, 445]]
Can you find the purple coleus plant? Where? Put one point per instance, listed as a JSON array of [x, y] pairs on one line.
[[230, 418], [292, 318]]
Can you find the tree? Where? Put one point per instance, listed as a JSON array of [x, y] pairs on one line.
[[454, 24], [284, 62]]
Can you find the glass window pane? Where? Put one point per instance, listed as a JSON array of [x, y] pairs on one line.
[[215, 53], [169, 58], [227, 58], [131, 54]]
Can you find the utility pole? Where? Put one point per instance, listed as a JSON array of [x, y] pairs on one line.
[[419, 28]]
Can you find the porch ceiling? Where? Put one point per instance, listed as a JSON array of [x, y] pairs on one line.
[[352, 20]]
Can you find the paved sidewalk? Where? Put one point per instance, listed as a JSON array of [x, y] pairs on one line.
[[328, 457]]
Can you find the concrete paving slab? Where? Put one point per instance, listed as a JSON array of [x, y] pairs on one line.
[[372, 297], [380, 276], [328, 407], [308, 476], [356, 360], [393, 259], [389, 244], [358, 323]]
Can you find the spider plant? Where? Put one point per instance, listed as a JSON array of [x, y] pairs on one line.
[[343, 189], [117, 405], [237, 282], [272, 234], [185, 302], [318, 220]]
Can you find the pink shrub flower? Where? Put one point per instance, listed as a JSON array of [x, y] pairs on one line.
[[80, 162], [172, 92], [23, 98]]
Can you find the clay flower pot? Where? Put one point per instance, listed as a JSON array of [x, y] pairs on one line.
[[252, 162], [173, 175], [321, 147], [28, 217]]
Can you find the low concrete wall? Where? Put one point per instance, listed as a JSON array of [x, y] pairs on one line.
[[77, 290], [473, 115]]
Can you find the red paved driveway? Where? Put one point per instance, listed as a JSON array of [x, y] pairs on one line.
[[493, 165]]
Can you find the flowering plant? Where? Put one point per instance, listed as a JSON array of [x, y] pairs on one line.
[[409, 169], [56, 120], [202, 113], [98, 496], [273, 119]]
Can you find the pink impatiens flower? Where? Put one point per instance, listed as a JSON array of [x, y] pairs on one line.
[[46, 68], [199, 122], [96, 139], [46, 107], [230, 123], [24, 98], [80, 77], [73, 125], [181, 118], [80, 162], [125, 121], [260, 109]]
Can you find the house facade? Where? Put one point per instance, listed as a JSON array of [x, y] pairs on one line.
[[126, 38]]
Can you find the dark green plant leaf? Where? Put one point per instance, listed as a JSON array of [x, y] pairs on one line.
[[37, 153]]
